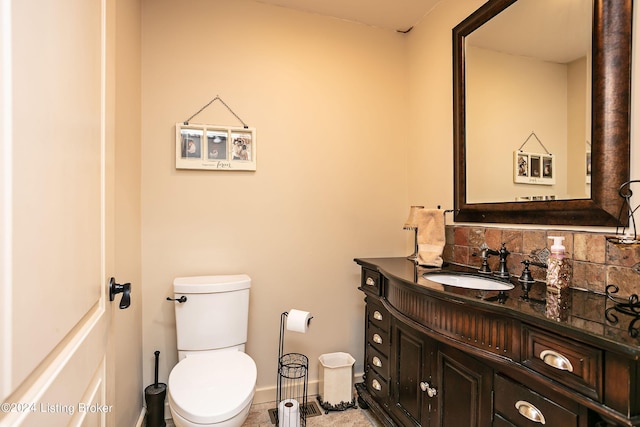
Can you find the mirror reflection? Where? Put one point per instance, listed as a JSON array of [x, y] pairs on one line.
[[528, 98]]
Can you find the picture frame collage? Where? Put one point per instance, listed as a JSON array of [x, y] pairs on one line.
[[212, 147], [533, 168]]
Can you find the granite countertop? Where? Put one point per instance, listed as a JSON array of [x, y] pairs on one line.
[[592, 317]]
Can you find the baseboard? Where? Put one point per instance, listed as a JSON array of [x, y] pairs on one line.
[[140, 421]]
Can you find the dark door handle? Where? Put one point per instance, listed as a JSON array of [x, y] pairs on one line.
[[116, 288]]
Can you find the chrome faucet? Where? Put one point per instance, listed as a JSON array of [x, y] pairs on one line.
[[502, 272]]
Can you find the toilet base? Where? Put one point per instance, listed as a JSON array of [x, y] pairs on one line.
[[236, 421]]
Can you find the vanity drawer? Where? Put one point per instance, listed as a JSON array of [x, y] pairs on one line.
[[370, 281], [378, 316], [378, 387], [378, 339], [566, 361], [377, 360], [522, 406]]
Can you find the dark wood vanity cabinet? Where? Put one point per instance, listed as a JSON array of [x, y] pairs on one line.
[[438, 359]]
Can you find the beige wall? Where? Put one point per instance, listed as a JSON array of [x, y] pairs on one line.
[[520, 96], [579, 130], [430, 154], [127, 324], [329, 101]]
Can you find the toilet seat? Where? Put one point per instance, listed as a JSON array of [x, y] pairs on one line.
[[213, 387]]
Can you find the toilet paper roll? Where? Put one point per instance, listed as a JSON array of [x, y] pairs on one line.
[[298, 320], [289, 413]]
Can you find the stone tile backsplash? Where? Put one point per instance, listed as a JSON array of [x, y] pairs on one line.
[[596, 261]]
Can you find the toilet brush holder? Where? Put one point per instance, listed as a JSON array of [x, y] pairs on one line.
[[154, 396]]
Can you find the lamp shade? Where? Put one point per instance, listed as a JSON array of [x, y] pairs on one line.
[[412, 221]]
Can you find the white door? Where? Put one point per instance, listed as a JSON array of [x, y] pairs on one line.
[[54, 192]]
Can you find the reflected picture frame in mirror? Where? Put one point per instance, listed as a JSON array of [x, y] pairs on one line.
[[610, 121]]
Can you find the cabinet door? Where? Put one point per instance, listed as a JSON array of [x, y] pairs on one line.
[[464, 390], [413, 357]]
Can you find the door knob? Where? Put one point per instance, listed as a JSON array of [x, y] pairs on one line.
[[116, 288]]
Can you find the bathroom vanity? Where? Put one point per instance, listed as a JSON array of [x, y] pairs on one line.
[[445, 356]]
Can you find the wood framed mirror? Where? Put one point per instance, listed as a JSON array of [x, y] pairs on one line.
[[609, 117]]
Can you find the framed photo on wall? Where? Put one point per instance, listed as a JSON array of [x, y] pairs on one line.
[[533, 168], [211, 147]]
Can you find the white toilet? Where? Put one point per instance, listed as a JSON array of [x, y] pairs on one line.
[[214, 381]]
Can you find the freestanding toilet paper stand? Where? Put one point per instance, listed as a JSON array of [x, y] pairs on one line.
[[291, 391]]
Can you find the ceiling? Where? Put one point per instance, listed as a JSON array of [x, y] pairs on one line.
[[553, 30], [398, 15]]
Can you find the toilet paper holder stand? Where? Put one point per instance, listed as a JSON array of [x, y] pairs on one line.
[[292, 383]]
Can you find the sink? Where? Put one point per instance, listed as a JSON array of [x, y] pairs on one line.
[[468, 281]]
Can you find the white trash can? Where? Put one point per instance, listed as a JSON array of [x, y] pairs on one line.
[[336, 381]]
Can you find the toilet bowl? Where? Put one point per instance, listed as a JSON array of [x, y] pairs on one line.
[[212, 389]]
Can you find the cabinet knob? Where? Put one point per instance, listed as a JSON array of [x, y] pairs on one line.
[[376, 385], [377, 339], [431, 391], [530, 412], [370, 281], [556, 360], [377, 315], [376, 361]]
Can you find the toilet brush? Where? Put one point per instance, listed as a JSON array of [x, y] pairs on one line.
[[154, 396], [155, 381]]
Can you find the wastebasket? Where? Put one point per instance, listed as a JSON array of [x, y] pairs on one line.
[[336, 381]]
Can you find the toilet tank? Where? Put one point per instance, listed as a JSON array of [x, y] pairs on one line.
[[215, 314]]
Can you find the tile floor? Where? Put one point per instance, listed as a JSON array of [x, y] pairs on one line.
[[259, 417]]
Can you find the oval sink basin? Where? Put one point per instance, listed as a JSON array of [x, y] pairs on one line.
[[469, 282]]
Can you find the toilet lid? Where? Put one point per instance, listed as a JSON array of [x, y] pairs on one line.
[[212, 388]]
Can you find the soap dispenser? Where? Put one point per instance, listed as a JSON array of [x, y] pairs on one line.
[[558, 279]]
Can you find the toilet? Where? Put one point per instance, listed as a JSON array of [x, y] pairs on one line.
[[214, 382]]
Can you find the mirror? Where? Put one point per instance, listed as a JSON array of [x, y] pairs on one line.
[[503, 156]]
